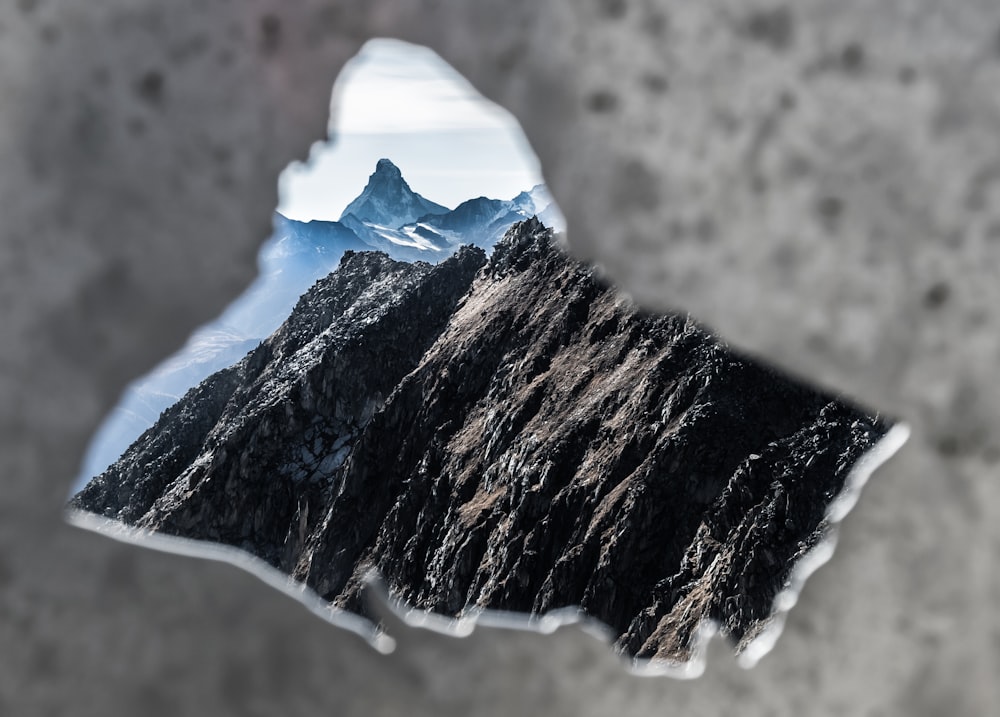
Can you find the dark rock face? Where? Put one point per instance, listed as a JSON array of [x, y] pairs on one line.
[[510, 434]]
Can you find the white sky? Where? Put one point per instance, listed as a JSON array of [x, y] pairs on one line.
[[404, 102]]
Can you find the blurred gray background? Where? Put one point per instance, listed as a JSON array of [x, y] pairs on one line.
[[818, 181]]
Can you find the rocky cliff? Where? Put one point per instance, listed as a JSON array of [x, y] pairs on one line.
[[510, 434]]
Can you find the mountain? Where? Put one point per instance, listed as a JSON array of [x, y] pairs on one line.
[[298, 254], [391, 217], [505, 433], [142, 403], [314, 244], [387, 200], [405, 244], [534, 201], [480, 221], [483, 221]]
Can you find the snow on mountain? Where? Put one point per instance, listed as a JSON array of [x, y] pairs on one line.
[[408, 243], [535, 200], [391, 217], [388, 201], [483, 221]]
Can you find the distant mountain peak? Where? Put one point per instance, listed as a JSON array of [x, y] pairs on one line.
[[388, 200], [386, 166]]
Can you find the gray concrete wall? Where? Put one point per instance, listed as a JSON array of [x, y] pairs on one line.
[[820, 182]]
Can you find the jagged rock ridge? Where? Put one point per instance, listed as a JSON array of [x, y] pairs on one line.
[[509, 434]]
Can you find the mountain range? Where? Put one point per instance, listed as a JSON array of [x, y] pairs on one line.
[[387, 216], [503, 432]]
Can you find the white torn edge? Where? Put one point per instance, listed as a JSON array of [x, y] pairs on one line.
[[545, 623], [838, 509], [240, 559]]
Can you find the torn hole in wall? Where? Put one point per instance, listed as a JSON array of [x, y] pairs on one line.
[[423, 389]]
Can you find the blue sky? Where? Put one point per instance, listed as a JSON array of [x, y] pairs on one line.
[[404, 102]]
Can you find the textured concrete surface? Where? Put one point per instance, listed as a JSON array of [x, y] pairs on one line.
[[820, 182]]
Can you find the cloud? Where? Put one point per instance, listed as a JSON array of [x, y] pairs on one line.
[[393, 87], [404, 102]]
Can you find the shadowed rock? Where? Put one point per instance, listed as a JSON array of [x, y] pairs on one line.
[[510, 434]]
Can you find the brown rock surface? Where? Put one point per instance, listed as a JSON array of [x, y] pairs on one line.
[[519, 438]]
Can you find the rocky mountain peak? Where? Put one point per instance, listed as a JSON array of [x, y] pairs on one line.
[[387, 200], [524, 244], [385, 168]]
